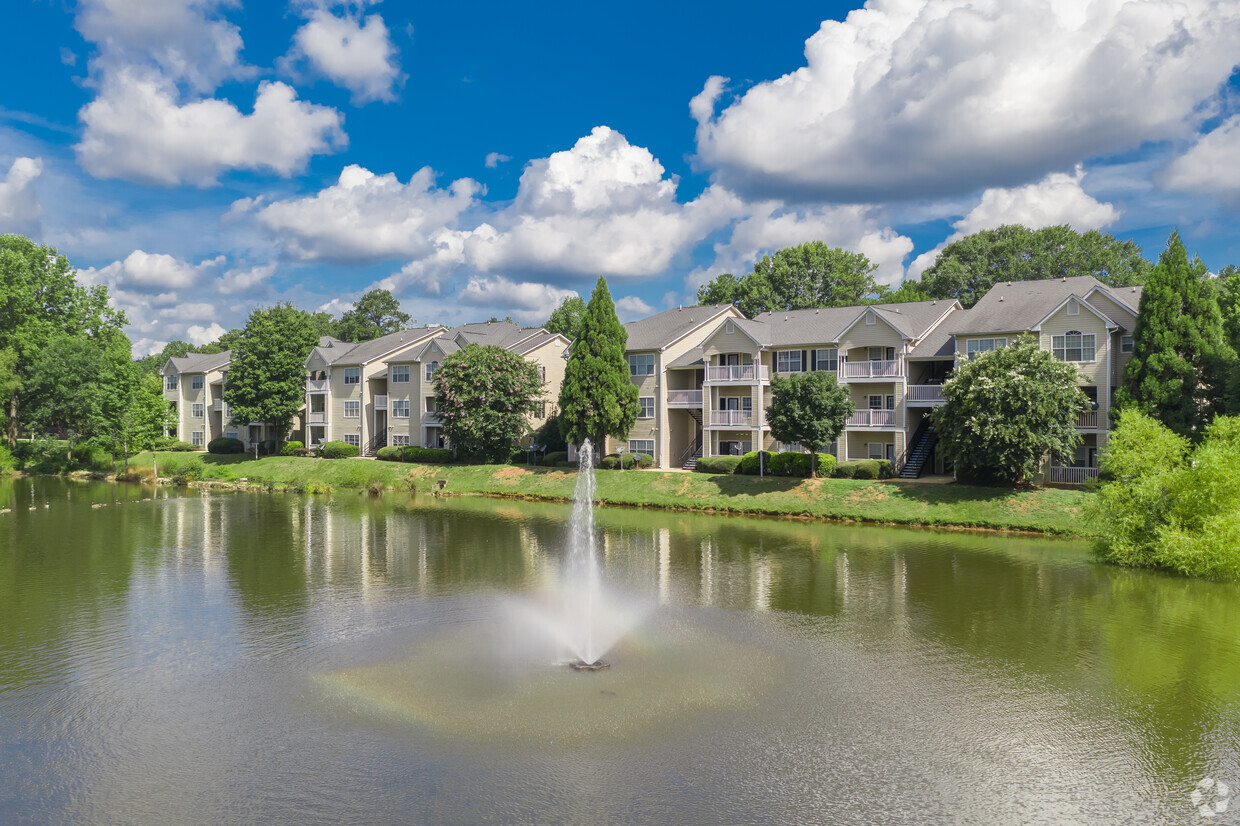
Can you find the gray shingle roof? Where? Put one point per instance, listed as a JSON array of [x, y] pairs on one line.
[[661, 329], [201, 362], [939, 343], [1013, 306], [692, 358], [368, 351], [534, 342], [826, 325], [500, 333]]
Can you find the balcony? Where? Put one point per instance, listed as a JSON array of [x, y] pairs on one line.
[[881, 370], [732, 418], [1087, 420], [684, 398], [380, 402], [430, 418], [218, 405], [925, 394], [738, 373], [872, 418], [318, 417], [317, 385], [1070, 475]]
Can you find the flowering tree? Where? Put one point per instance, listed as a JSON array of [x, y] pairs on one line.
[[485, 396]]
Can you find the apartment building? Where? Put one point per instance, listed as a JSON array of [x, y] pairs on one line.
[[194, 386]]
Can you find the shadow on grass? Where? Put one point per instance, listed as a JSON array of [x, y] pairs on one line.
[[937, 494], [753, 485]]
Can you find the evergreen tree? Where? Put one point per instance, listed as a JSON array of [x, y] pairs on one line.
[[1180, 360], [267, 376], [598, 398], [809, 408]]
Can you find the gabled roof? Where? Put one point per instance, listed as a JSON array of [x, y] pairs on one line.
[[1111, 325], [828, 324], [336, 352], [1016, 306], [1127, 297], [661, 330], [688, 360], [500, 333], [939, 343], [197, 363], [533, 343]]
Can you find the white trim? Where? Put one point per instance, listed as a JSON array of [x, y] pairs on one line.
[[1110, 325], [870, 309]]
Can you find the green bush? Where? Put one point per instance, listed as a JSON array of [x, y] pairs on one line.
[[225, 444], [886, 470], [553, 458], [826, 465], [428, 455], [867, 469], [782, 464], [548, 435], [389, 454], [338, 450], [179, 447], [845, 470], [626, 461], [189, 472], [610, 462], [291, 448], [7, 463], [718, 464], [750, 462], [566, 463]]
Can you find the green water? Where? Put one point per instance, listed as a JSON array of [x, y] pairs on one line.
[[260, 658]]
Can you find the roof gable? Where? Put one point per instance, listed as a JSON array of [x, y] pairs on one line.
[[1111, 325]]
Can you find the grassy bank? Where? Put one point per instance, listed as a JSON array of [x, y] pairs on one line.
[[1046, 510]]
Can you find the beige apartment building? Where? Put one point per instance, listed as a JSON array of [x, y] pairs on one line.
[[194, 386]]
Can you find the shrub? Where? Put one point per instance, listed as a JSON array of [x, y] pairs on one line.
[[179, 447], [718, 464], [389, 454], [301, 451], [189, 472], [553, 458], [548, 435], [886, 470], [845, 470], [224, 444], [7, 463], [135, 474], [781, 463], [431, 455], [566, 463], [867, 469], [750, 462], [826, 465], [338, 450], [291, 448], [610, 462]]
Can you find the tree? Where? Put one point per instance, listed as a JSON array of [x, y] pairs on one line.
[[267, 375], [1007, 409], [143, 414], [566, 318], [484, 395], [908, 291], [40, 299], [967, 268], [71, 388], [173, 349], [796, 278], [809, 408], [1180, 359], [598, 398], [375, 314]]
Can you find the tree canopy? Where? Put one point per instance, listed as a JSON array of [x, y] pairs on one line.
[[1006, 409], [375, 314], [598, 398], [267, 374], [796, 278], [484, 396], [809, 408], [967, 268], [1181, 360], [566, 318]]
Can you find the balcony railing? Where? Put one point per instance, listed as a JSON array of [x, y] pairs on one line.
[[1089, 419], [318, 417], [872, 418], [886, 369], [738, 372], [684, 398], [732, 418], [218, 405], [1070, 475], [380, 402], [430, 417], [925, 393], [317, 385]]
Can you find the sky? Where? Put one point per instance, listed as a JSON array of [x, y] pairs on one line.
[[205, 157]]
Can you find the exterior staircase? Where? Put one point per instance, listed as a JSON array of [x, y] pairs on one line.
[[921, 452], [691, 462], [379, 440]]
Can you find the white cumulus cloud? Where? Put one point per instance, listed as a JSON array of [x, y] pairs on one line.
[[351, 51], [913, 98], [141, 271], [494, 159], [1211, 165], [200, 335], [526, 301], [238, 280], [631, 307], [20, 210]]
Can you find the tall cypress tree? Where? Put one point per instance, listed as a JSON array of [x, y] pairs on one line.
[[598, 398], [1181, 358]]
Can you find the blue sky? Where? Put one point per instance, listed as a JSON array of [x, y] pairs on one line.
[[202, 157]]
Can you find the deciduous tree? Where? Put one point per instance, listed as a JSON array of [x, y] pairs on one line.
[[809, 408], [796, 278], [566, 318], [267, 374], [375, 314], [484, 396]]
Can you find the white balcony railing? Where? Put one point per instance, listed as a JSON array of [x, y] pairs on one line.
[[932, 393], [886, 369], [1089, 419], [380, 402], [318, 417], [738, 372], [430, 418], [732, 418], [872, 418], [218, 405], [317, 385], [684, 398], [1070, 475]]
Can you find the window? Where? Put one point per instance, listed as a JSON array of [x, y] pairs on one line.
[[197, 411], [353, 410], [977, 346], [230, 434], [641, 446], [788, 361], [642, 364], [874, 450], [1073, 346], [400, 374], [1125, 344], [882, 353], [352, 375], [729, 328], [869, 318], [891, 402], [170, 383], [353, 439], [400, 408], [196, 438], [1073, 307], [876, 402], [195, 382], [541, 411], [430, 370], [832, 448], [827, 359], [645, 407], [542, 374], [789, 447], [400, 440]]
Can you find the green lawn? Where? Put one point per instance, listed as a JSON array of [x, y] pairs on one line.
[[1044, 510]]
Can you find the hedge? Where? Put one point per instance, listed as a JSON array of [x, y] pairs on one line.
[[225, 444], [554, 458], [291, 448], [750, 462], [179, 447], [428, 455], [338, 450], [865, 469], [718, 464], [613, 461]]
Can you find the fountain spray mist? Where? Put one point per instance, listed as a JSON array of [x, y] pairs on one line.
[[584, 581]]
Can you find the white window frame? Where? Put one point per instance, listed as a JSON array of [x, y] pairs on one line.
[[645, 407], [197, 410], [541, 411], [542, 373], [230, 434], [829, 363], [170, 382], [1126, 344], [976, 346], [355, 406], [641, 364], [400, 440], [352, 375], [400, 373], [784, 361], [1073, 307], [197, 438], [639, 446], [400, 408], [891, 401], [196, 382], [869, 449], [352, 439], [1086, 344], [870, 319], [431, 368], [874, 401]]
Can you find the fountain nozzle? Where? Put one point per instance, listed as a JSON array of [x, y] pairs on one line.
[[582, 665]]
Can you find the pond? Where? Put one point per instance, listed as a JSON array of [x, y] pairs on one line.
[[178, 657]]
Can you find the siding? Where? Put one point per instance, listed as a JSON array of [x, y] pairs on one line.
[[721, 341], [878, 334]]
